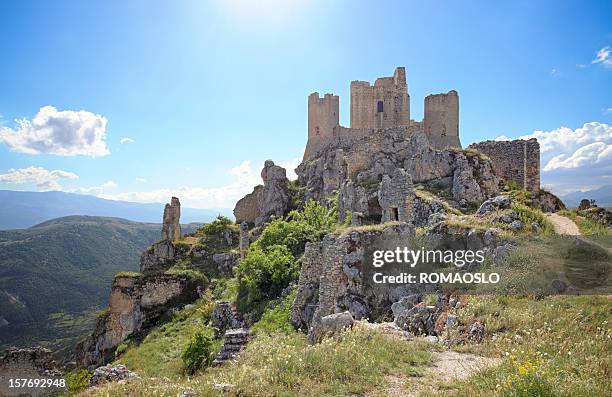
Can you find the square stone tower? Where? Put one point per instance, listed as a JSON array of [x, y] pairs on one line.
[[441, 122], [383, 105], [323, 117]]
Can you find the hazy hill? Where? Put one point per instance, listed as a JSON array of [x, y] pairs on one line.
[[24, 209], [55, 277], [602, 195]]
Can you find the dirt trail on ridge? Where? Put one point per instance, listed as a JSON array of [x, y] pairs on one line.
[[563, 225]]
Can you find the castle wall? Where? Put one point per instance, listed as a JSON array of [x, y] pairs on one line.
[[517, 161], [441, 122], [323, 117], [383, 105]]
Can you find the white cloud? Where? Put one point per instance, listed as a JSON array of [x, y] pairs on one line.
[[43, 179], [95, 190], [63, 133], [125, 140], [608, 111], [554, 72], [141, 180], [574, 159], [604, 56], [245, 178]]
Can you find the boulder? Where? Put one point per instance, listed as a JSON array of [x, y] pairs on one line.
[[273, 199], [335, 323], [494, 204], [246, 209], [111, 373]]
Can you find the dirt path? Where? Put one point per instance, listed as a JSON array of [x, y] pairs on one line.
[[447, 367], [563, 225]]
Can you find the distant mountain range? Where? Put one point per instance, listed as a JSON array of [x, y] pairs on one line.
[[24, 209], [602, 195], [55, 277]]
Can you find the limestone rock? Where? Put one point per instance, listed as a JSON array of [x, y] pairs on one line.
[[111, 373], [307, 296], [418, 320], [246, 209], [157, 257], [548, 202], [225, 262], [135, 305], [273, 199], [494, 204], [171, 228], [335, 323]]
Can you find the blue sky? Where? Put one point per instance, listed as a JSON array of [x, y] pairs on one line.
[[206, 91]]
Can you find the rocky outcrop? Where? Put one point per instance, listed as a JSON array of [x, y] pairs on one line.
[[109, 373], [273, 199], [336, 276], [548, 202], [599, 215], [157, 257], [468, 176], [171, 228], [234, 341], [497, 203], [135, 305], [336, 323], [246, 209], [29, 363]]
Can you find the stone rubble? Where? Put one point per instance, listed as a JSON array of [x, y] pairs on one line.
[[110, 373], [234, 342]]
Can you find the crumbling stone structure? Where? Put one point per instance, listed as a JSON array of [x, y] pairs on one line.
[[515, 161], [396, 197], [382, 105], [244, 240], [441, 122], [171, 228], [374, 108], [29, 363]]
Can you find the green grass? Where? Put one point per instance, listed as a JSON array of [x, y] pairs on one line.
[[159, 353], [352, 363], [587, 226], [553, 346]]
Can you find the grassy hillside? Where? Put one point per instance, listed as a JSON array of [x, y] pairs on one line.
[[55, 277]]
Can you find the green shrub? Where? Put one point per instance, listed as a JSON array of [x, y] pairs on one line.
[[315, 215], [77, 380], [215, 227], [263, 274], [277, 318], [530, 215], [198, 353]]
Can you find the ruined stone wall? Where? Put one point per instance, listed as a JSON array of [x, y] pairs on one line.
[[323, 117], [383, 105], [441, 122], [171, 228], [517, 161]]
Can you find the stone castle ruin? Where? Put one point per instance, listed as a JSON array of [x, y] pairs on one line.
[[516, 161], [386, 104]]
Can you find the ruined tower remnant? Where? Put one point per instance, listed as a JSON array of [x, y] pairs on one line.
[[244, 239], [385, 104], [441, 122], [171, 228], [516, 161], [323, 117], [396, 196]]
